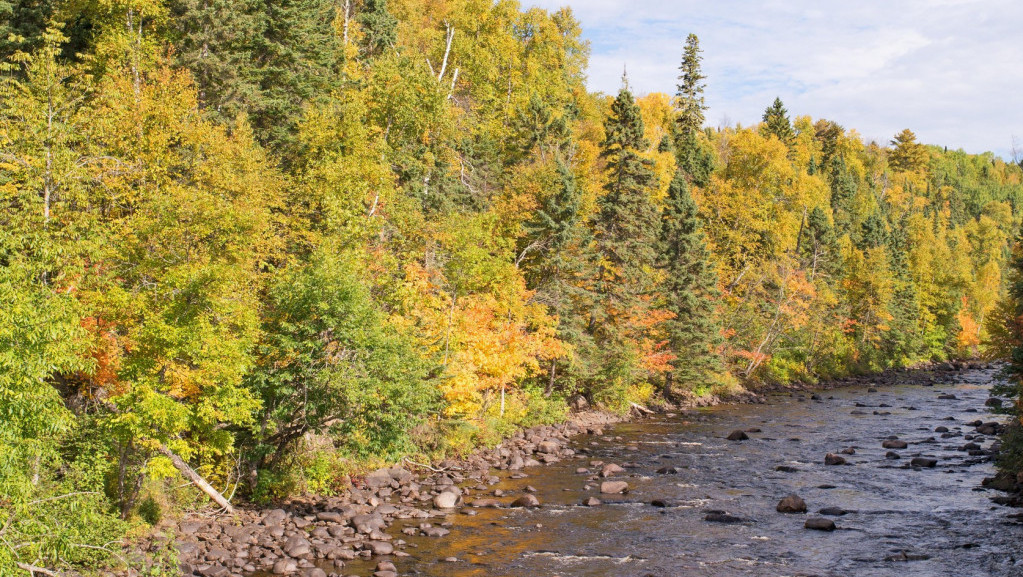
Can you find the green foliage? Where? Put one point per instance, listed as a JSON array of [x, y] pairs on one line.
[[330, 365], [690, 290], [777, 123]]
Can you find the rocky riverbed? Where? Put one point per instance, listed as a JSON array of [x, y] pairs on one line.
[[875, 478]]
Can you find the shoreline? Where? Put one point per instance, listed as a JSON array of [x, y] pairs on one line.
[[304, 534]]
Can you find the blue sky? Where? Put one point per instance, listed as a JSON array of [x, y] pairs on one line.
[[950, 70]]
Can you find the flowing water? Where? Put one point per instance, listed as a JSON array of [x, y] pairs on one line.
[[902, 521]]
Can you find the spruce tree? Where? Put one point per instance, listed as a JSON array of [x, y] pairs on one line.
[[776, 122], [556, 262], [378, 26], [689, 289], [625, 227], [690, 154], [689, 96], [627, 220]]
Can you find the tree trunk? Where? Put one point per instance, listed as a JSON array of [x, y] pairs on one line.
[[194, 477]]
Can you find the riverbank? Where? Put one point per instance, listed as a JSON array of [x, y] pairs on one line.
[[317, 536]]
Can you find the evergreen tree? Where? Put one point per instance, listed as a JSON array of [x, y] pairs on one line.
[[556, 262], [908, 155], [626, 233], [843, 191], [690, 155], [267, 59], [690, 289], [776, 122], [818, 244], [378, 25], [689, 96], [626, 223]]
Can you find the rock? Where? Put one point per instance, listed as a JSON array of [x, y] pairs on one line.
[[489, 503], [940, 429], [611, 470], [993, 402], [791, 504], [187, 550], [723, 518], [378, 479], [659, 503], [331, 516], [385, 574], [550, 447], [833, 511], [592, 502], [445, 500], [215, 571], [667, 471], [819, 524], [892, 455], [285, 566], [923, 462], [737, 435], [848, 451], [386, 566], [894, 444], [871, 390], [296, 547], [614, 487], [527, 500], [947, 397], [275, 517], [578, 403], [314, 572], [435, 532], [380, 547], [833, 459], [786, 469]]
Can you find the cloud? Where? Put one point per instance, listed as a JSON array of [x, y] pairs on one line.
[[947, 69]]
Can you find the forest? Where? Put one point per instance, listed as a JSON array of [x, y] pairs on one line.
[[276, 243]]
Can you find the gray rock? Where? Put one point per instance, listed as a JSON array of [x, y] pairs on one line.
[[923, 462], [285, 566], [331, 516], [296, 547], [723, 518], [592, 502], [610, 470], [894, 444], [833, 511]]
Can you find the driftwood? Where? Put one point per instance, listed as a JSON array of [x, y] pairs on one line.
[[32, 570], [194, 477]]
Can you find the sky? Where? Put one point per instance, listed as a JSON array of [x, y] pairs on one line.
[[949, 70]]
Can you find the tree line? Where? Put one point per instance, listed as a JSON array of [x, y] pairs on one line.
[[269, 243]]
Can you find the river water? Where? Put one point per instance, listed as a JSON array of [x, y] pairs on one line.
[[902, 521]]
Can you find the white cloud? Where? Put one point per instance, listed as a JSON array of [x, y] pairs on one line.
[[947, 69]]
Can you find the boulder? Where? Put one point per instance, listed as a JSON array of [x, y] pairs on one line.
[[833, 459], [445, 500], [791, 504], [611, 470], [923, 462], [614, 487], [819, 524], [527, 500], [737, 435], [894, 444]]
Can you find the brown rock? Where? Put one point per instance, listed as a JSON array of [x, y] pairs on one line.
[[791, 504]]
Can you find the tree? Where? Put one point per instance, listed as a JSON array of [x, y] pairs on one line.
[[908, 155], [689, 96], [690, 291], [378, 26], [776, 122], [626, 229], [691, 154]]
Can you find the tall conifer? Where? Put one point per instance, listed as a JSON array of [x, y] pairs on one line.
[[690, 289]]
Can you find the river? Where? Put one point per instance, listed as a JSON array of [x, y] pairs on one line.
[[901, 520]]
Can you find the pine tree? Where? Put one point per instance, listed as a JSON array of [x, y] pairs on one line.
[[818, 245], [690, 289], [776, 122], [908, 155]]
